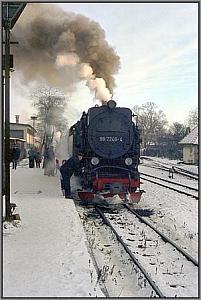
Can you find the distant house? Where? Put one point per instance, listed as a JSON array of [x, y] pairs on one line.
[[24, 133], [190, 147]]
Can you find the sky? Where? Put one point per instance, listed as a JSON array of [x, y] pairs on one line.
[[158, 48]]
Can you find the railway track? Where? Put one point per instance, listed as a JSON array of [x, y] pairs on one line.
[[133, 258], [165, 238], [117, 275], [172, 182], [187, 172], [178, 170], [169, 274], [169, 187]]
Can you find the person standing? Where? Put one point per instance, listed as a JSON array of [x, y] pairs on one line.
[[15, 155], [57, 165], [49, 161], [61, 179], [171, 172], [38, 158], [67, 170], [31, 154]]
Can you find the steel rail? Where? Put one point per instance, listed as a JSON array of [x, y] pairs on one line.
[[187, 172], [151, 282], [166, 239], [176, 183], [169, 165], [166, 168], [98, 270], [171, 188]]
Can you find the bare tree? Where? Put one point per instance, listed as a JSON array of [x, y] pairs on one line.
[[170, 142], [50, 104], [192, 120], [178, 130], [151, 121]]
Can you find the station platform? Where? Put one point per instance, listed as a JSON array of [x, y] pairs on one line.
[[45, 254]]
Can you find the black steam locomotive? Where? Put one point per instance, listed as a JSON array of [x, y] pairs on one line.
[[110, 141]]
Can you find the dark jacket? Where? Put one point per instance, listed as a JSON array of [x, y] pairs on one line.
[[31, 153], [70, 166], [38, 156], [49, 154], [16, 153]]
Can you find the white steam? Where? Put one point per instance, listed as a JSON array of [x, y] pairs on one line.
[[96, 85]]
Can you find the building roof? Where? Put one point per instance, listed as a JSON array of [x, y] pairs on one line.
[[191, 138], [22, 125], [14, 138]]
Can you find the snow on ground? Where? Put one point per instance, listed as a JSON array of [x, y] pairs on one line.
[[46, 256], [151, 252], [176, 214], [177, 178], [171, 162]]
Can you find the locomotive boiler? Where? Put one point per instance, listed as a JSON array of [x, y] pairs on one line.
[[110, 141]]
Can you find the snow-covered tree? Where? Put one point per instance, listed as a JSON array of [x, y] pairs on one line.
[[151, 121], [50, 104], [192, 120]]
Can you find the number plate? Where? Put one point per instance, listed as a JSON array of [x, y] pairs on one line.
[[110, 139]]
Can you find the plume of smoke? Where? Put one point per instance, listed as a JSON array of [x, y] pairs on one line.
[[86, 71], [95, 84], [67, 59], [101, 92], [64, 48]]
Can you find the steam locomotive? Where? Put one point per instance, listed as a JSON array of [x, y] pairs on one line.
[[110, 141]]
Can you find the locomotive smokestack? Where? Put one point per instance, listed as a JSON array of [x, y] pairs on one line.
[[60, 46]]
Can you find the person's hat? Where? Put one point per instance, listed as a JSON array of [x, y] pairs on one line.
[[80, 153]]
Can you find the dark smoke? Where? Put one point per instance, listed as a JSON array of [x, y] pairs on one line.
[[45, 32]]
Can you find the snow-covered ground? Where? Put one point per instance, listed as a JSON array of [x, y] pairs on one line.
[[171, 162], [177, 178], [45, 255], [176, 214]]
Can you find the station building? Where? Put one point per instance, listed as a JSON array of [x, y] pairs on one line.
[[23, 132], [190, 147], [25, 135]]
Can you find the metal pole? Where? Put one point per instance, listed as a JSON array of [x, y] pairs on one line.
[[2, 138], [33, 131], [7, 119]]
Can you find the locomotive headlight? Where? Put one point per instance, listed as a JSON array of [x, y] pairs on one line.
[[128, 161], [95, 161]]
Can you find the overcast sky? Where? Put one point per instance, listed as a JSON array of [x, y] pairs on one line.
[[158, 48]]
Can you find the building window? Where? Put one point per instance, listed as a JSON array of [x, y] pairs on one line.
[[17, 134]]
